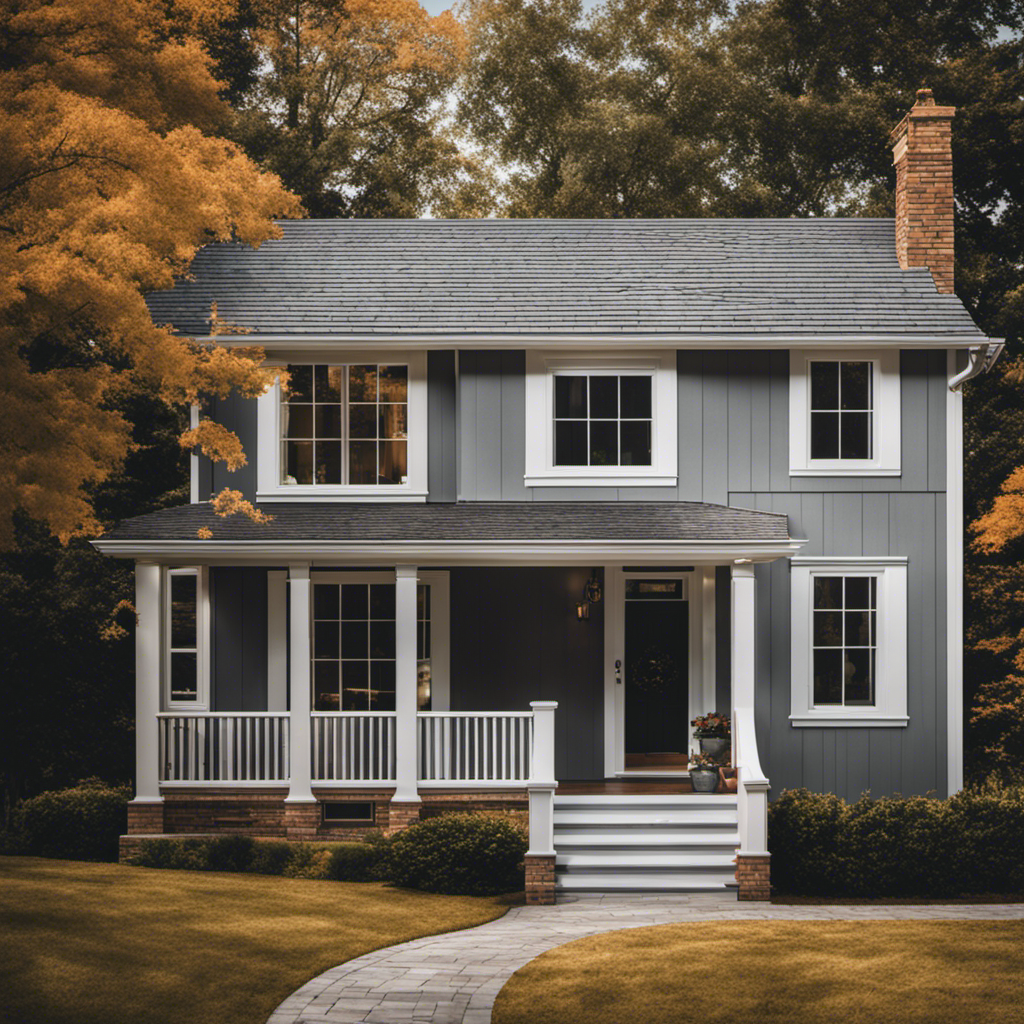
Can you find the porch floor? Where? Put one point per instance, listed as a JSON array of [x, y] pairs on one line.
[[626, 787]]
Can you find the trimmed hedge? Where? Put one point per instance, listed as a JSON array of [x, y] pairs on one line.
[[79, 823], [349, 862], [459, 854], [898, 846]]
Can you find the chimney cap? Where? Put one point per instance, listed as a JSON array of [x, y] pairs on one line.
[[924, 98]]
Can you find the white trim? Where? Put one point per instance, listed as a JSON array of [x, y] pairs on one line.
[[954, 584], [855, 561], [496, 552], [193, 459], [886, 430], [269, 487], [891, 643], [586, 342], [709, 649], [202, 701], [541, 368]]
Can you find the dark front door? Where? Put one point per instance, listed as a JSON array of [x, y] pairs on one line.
[[656, 671]]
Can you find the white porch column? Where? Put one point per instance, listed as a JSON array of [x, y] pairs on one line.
[[540, 857], [406, 788], [148, 606], [743, 636], [300, 665]]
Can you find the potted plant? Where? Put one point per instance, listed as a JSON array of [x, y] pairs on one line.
[[713, 732], [703, 773]]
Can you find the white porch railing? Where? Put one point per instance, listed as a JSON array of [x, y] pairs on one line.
[[752, 785], [353, 746], [474, 746], [249, 746]]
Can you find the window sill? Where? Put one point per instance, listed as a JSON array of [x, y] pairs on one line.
[[845, 471], [367, 494], [849, 721], [566, 480]]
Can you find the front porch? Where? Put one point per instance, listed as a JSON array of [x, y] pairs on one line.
[[329, 693]]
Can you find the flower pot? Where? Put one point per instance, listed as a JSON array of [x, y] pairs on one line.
[[703, 780], [714, 745]]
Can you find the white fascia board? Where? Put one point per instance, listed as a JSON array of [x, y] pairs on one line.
[[460, 552], [590, 341], [853, 561]]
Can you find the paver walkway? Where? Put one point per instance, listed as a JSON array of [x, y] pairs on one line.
[[455, 978]]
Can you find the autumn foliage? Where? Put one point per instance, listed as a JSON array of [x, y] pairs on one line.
[[111, 176]]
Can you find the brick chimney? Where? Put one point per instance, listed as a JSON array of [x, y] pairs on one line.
[[923, 157]]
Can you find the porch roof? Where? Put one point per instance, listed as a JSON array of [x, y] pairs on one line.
[[458, 531]]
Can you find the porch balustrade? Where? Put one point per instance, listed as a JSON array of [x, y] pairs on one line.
[[198, 747], [459, 747], [453, 748]]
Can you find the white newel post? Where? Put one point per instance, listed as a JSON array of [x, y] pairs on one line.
[[405, 803], [540, 857], [752, 862], [300, 668], [148, 603]]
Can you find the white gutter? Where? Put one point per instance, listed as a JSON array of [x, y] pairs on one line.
[[981, 359]]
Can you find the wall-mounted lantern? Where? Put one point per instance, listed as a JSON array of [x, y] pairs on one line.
[[591, 595]]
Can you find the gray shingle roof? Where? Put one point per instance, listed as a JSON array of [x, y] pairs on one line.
[[464, 521], [472, 278]]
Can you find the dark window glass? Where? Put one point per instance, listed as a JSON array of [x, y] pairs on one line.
[[325, 601], [328, 384], [654, 590], [828, 676], [325, 640], [828, 591], [393, 462], [362, 421], [394, 384], [604, 397], [362, 383], [860, 671], [299, 461], [824, 385], [355, 685], [328, 462], [858, 591], [392, 422], [328, 421], [636, 398], [298, 421], [325, 686], [570, 397], [828, 629], [362, 462], [824, 435], [604, 443], [570, 442], [183, 610], [354, 603], [184, 675], [635, 444], [382, 639], [300, 383], [382, 601], [355, 640], [856, 436], [855, 387]]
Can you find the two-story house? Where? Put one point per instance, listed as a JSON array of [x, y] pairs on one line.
[[544, 491]]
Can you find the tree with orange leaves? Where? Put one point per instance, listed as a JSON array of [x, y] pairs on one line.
[[112, 174], [348, 106]]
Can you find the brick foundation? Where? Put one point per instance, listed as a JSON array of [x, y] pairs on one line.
[[145, 818], [753, 875], [302, 820], [402, 815], [540, 879]]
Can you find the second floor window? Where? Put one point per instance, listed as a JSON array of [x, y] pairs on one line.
[[842, 406], [602, 419], [345, 424]]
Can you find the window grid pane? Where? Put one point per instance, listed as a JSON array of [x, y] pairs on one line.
[[844, 640], [183, 636], [345, 424], [842, 410], [602, 419]]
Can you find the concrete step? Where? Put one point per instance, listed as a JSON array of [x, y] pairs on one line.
[[617, 817], [642, 838], [645, 881], [714, 800]]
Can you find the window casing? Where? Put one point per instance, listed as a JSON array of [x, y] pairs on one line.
[[602, 420], [350, 426], [186, 638], [844, 413], [849, 641]]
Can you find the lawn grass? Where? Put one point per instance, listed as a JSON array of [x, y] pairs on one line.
[[108, 944], [777, 972]]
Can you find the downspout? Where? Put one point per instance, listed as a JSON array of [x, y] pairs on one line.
[[981, 359]]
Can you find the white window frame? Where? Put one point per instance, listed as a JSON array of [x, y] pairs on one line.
[[886, 434], [202, 701], [541, 471], [891, 642], [269, 486]]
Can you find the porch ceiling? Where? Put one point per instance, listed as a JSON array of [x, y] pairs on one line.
[[459, 533]]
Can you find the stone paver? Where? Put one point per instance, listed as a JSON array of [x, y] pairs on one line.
[[455, 978]]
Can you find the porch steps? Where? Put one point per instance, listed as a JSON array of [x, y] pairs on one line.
[[645, 843]]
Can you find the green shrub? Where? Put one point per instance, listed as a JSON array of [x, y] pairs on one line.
[[270, 858], [459, 854], [177, 854], [308, 861], [898, 846], [80, 823], [359, 861], [230, 853]]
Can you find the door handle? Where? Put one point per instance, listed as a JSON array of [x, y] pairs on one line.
[[618, 672]]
